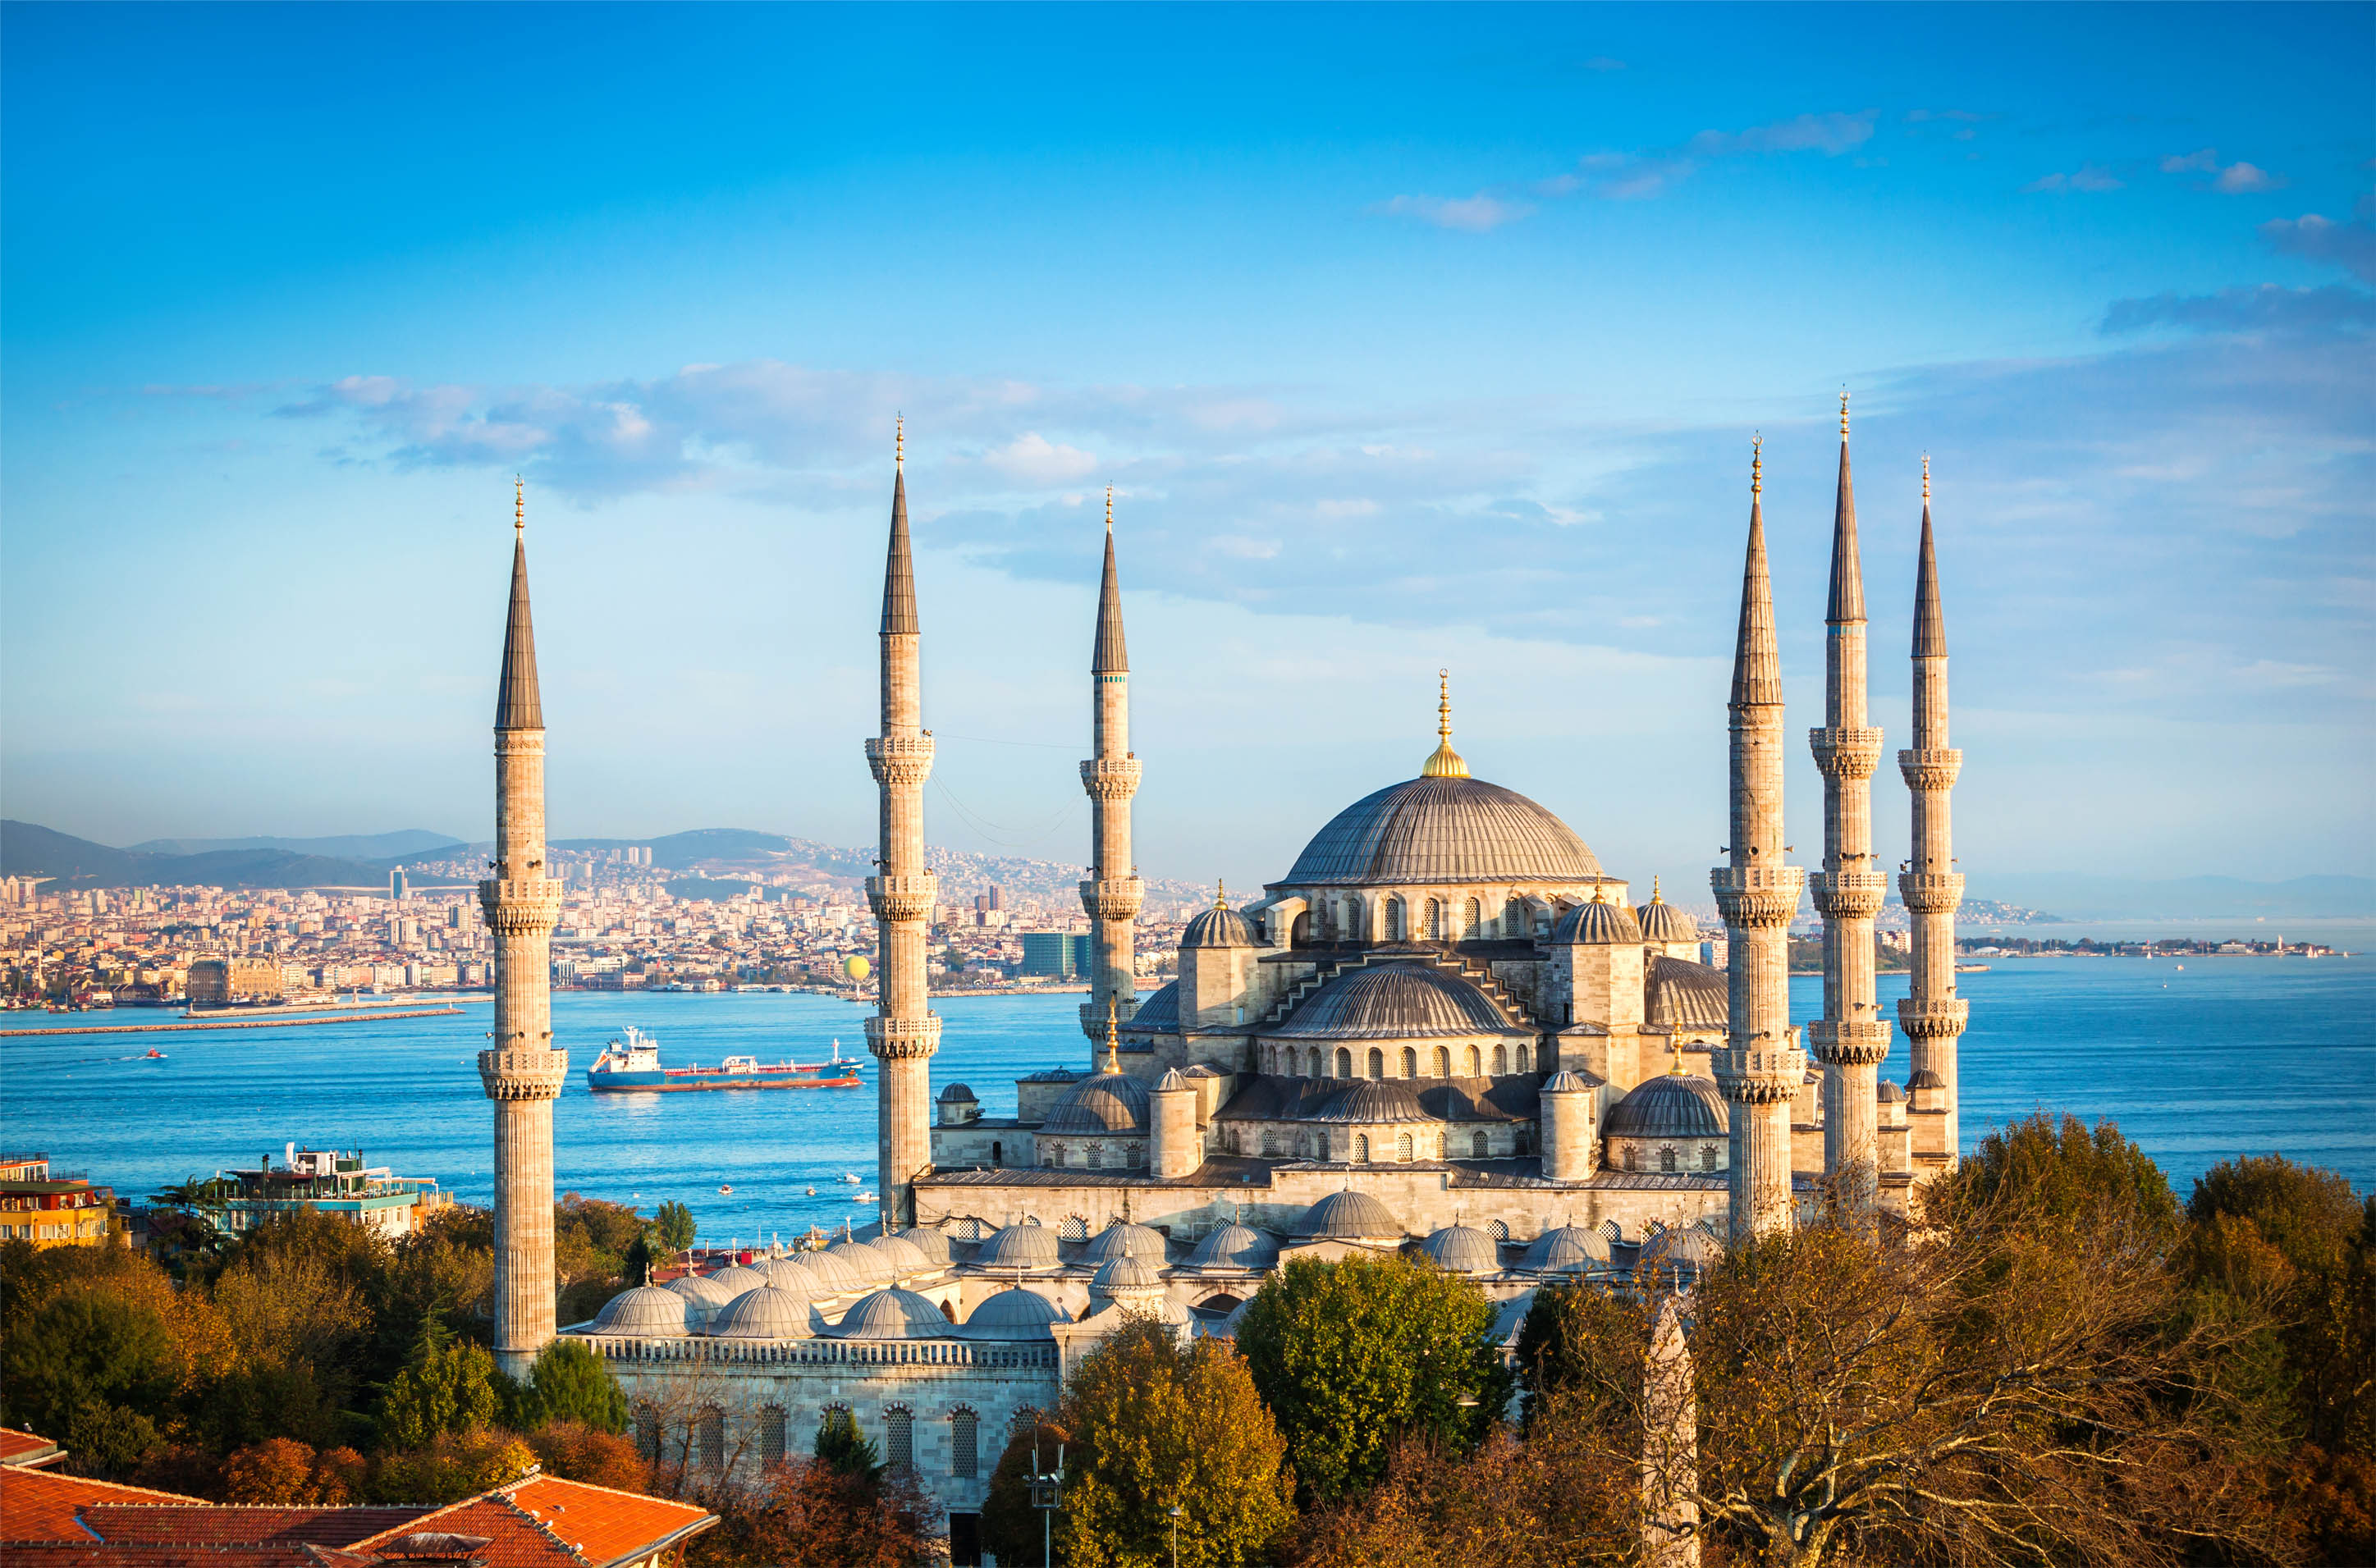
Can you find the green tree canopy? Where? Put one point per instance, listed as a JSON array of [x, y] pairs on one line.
[[672, 1224], [90, 1368], [842, 1447], [1163, 1423], [570, 1382], [2050, 1168], [450, 1388], [1351, 1356], [1010, 1524]]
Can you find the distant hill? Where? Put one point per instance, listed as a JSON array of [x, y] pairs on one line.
[[28, 850], [411, 843], [2080, 898]]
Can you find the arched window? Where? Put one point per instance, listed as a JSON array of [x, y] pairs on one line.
[[1480, 1147], [647, 1432], [1476, 918], [1514, 918], [1270, 1143], [1522, 1060], [1403, 1148], [1074, 1228], [1522, 1141], [1095, 1159], [1395, 928], [1500, 1062], [1362, 1149], [1410, 1062], [771, 1434], [1443, 1062], [1475, 1064], [965, 1444], [1353, 922], [1344, 1062], [1300, 934], [1629, 1159], [1056, 1156], [1435, 919], [899, 1437], [1377, 1062], [709, 1438], [997, 1153], [1666, 1159], [1707, 1156]]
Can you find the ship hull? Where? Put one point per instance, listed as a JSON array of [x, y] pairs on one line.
[[685, 1080]]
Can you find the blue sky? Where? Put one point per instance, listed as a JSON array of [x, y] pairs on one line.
[[1410, 338]]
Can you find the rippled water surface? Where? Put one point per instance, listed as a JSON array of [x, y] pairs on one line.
[[2222, 1056]]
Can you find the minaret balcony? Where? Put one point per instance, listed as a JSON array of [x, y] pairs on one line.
[[900, 899], [1932, 769], [1758, 895], [1931, 893], [521, 904], [1848, 1042], [1932, 1017], [523, 1075], [1118, 898], [895, 1039], [1845, 753], [1110, 777], [1850, 895], [1763, 1073], [900, 759]]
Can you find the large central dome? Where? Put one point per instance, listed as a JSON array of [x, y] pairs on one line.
[[1442, 829]]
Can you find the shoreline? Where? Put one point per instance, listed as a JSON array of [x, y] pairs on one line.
[[233, 1023]]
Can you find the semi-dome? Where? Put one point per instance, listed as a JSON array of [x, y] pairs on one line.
[[1662, 921], [735, 1278], [1686, 995], [1100, 1104], [1596, 924], [647, 1311], [905, 1256], [1349, 1216], [783, 1274], [764, 1313], [1235, 1246], [831, 1272], [892, 1315], [1672, 1105], [1220, 926], [1394, 1001], [1158, 1013], [1570, 1249], [865, 1261], [1122, 1239], [1028, 1245], [1373, 1101], [933, 1244], [1438, 830], [1015, 1314], [1463, 1249]]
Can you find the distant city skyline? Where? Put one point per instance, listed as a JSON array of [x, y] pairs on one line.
[[1410, 338]]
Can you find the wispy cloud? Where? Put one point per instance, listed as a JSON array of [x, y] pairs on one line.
[[2238, 178], [1473, 214], [2269, 308], [2351, 246], [1652, 172], [2087, 177]]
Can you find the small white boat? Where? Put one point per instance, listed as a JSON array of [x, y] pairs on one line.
[[863, 1198], [848, 1180], [811, 1191], [726, 1190]]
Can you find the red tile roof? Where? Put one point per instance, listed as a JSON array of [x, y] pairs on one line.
[[24, 1448], [39, 1505], [92, 1554], [545, 1522], [207, 1524]]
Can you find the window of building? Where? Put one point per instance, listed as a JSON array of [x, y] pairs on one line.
[[1501, 1059], [1435, 919], [1478, 1147], [1403, 1148], [1524, 1142], [1410, 1062], [899, 1437], [965, 1456], [1344, 1063], [1270, 1143], [1476, 918], [1666, 1159], [1707, 1156], [1523, 1056], [771, 1434], [1056, 1156], [1395, 928], [709, 1438], [1443, 1062], [1474, 1062], [1629, 1159], [1075, 1228], [647, 1433], [1094, 1159], [1377, 1062], [1362, 1149]]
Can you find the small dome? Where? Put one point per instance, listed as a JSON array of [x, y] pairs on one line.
[[905, 1256], [647, 1311], [1015, 1314], [703, 1290], [1349, 1216], [958, 1094], [1671, 1105], [1101, 1103], [1126, 1273], [1029, 1246], [1596, 924], [1373, 1101], [1686, 1246], [764, 1313], [933, 1244], [1888, 1093], [1157, 1013], [1565, 1082], [783, 1274], [1123, 1240], [893, 1314], [1662, 921], [735, 1278], [1235, 1246], [1463, 1249], [1925, 1079], [831, 1272], [865, 1261], [1220, 926], [1568, 1250], [1397, 1000], [1171, 1083]]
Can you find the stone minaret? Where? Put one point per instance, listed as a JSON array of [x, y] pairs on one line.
[[1114, 893], [904, 1032], [521, 1070], [1760, 1067], [1852, 1037], [1932, 1015]]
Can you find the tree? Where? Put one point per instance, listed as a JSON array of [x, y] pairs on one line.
[[2057, 1166], [672, 1224], [92, 1368], [1011, 1527], [1350, 1356], [1579, 1340], [284, 1472], [1164, 1424], [844, 1449], [579, 1452], [451, 1466], [808, 1512], [449, 1388], [569, 1383]]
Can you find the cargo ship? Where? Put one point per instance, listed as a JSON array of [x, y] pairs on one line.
[[634, 1064]]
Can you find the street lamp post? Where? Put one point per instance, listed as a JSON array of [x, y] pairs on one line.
[[1175, 1536]]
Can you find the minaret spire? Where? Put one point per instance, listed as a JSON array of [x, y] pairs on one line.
[[1931, 1014], [1852, 1037], [520, 1070], [1114, 893], [904, 1031], [1760, 1067]]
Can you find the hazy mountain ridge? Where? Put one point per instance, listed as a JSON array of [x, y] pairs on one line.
[[29, 850], [387, 847]]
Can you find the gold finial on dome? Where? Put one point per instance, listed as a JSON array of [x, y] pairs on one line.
[[520, 497], [1221, 893], [1653, 889], [1113, 1034], [1596, 892], [1445, 763]]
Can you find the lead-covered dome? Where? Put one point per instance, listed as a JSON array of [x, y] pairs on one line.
[[1672, 1105], [933, 1244], [704, 1294], [1015, 1314], [1429, 831], [1122, 1239], [867, 1263], [906, 1257], [1374, 1102], [1220, 926], [783, 1274], [830, 1271], [1100, 1104], [1662, 921], [1394, 1001], [1235, 1246], [647, 1311], [1026, 1245], [893, 1314], [766, 1312], [1570, 1249], [1462, 1249], [735, 1278], [1349, 1216], [1596, 924]]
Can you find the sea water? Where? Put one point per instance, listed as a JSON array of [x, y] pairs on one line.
[[2197, 1060]]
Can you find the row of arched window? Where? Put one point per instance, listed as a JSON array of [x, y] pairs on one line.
[[1294, 1143], [1670, 1162], [1348, 918], [1095, 1156], [704, 1436], [1297, 1061]]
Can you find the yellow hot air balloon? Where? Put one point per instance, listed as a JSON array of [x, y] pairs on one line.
[[856, 968]]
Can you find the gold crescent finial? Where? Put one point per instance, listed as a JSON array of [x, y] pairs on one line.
[[1756, 463], [1926, 478], [1445, 763], [1653, 889], [1113, 1034], [1221, 893], [1844, 413], [519, 504], [899, 440]]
